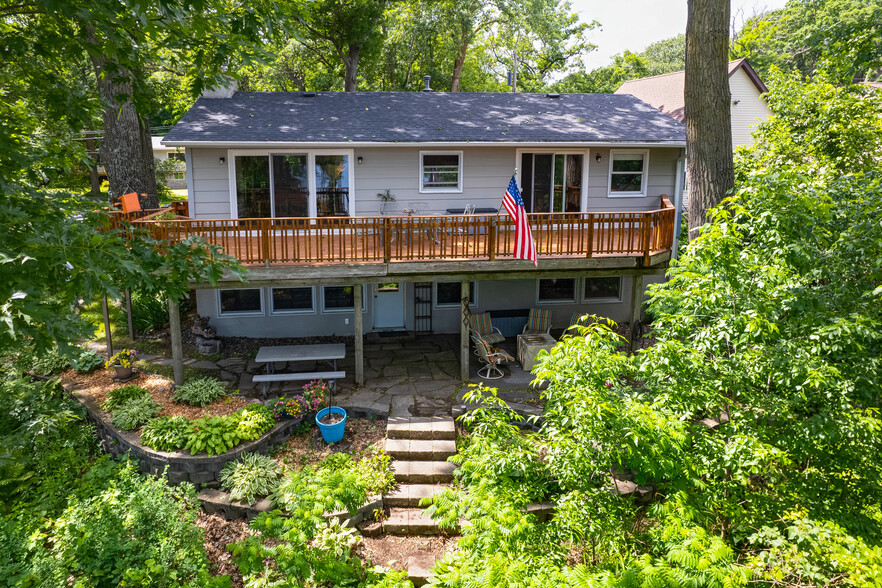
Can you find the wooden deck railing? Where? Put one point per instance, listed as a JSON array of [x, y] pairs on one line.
[[287, 241]]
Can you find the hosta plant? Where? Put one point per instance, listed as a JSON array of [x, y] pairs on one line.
[[254, 420], [135, 412], [200, 392], [119, 396], [212, 435], [166, 433], [254, 476]]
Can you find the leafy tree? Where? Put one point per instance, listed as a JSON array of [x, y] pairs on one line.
[[753, 422]]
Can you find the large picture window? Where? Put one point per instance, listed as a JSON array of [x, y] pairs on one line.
[[448, 294], [627, 173], [290, 184], [441, 171], [557, 290], [240, 301]]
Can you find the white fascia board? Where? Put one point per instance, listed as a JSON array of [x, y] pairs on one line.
[[427, 145]]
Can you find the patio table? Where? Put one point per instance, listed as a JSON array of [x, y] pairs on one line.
[[329, 352]]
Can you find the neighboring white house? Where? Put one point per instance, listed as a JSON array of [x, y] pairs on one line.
[[747, 106], [175, 179], [307, 168]]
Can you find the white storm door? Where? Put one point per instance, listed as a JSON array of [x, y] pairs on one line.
[[389, 306]]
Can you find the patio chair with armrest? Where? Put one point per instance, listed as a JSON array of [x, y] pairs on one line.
[[492, 358], [483, 329], [538, 322], [579, 319]]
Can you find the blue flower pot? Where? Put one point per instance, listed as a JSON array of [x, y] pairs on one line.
[[331, 433]]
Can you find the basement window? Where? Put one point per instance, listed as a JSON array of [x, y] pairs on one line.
[[240, 301]]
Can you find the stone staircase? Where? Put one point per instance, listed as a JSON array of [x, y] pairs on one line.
[[419, 447]]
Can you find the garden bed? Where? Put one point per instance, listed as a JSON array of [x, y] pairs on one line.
[[100, 382], [306, 447]]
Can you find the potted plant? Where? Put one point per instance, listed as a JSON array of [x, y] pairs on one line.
[[386, 199], [123, 362], [331, 420]]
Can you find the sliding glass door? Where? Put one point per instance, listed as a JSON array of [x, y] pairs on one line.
[[552, 182], [291, 185]]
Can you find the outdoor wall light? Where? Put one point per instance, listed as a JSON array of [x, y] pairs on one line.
[[221, 160], [597, 158], [360, 160]]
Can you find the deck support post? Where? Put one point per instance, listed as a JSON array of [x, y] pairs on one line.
[[358, 325], [636, 308], [174, 327], [129, 314], [108, 339], [464, 332]]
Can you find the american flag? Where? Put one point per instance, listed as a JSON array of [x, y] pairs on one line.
[[525, 248]]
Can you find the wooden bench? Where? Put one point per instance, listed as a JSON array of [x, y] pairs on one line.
[[330, 377]]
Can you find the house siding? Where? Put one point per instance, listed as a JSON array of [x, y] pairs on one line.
[[486, 173], [750, 110], [492, 295]]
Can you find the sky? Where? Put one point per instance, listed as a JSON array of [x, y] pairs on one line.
[[634, 24]]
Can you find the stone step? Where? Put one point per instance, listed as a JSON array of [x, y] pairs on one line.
[[423, 472], [409, 495], [410, 427], [420, 449], [410, 521], [418, 568]]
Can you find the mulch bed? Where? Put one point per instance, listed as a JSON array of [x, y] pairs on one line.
[[219, 533], [308, 448], [100, 382], [393, 551]]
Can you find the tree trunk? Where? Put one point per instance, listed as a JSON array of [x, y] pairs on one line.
[[126, 149], [350, 62], [708, 118], [458, 63], [94, 178]]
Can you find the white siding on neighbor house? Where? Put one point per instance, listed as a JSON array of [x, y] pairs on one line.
[[486, 173], [210, 192], [750, 110]]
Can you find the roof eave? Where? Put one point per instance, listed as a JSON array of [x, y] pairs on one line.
[[353, 144]]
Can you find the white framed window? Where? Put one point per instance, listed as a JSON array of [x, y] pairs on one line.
[[440, 171], [300, 300], [628, 170], [290, 183], [556, 290], [447, 294], [341, 298], [240, 301], [602, 289]]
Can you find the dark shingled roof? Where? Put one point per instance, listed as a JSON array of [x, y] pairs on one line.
[[424, 117]]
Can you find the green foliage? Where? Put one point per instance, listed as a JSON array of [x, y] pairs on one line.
[[134, 412], [254, 420], [216, 434], [149, 311], [166, 433], [251, 477], [119, 396], [86, 361], [374, 471], [304, 548], [44, 362], [199, 392]]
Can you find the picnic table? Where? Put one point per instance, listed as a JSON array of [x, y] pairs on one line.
[[329, 352]]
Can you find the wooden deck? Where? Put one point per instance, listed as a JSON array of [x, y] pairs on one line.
[[391, 239]]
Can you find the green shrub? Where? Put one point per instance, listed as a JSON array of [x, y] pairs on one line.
[[86, 361], [135, 412], [200, 392], [166, 433], [149, 311], [374, 471], [212, 435], [254, 420], [254, 476], [119, 396], [43, 363]]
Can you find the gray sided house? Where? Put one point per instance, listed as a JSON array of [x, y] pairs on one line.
[[391, 202]]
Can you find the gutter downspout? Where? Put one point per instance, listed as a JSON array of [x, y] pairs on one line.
[[678, 205]]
